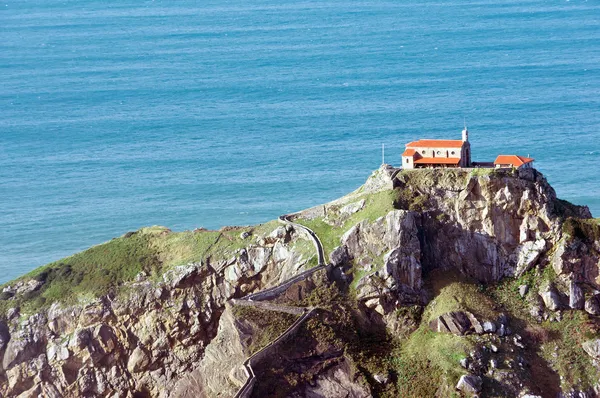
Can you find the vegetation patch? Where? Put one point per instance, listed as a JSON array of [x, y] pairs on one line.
[[428, 360], [563, 350], [557, 342], [376, 205], [483, 172], [586, 230], [104, 268], [266, 325], [453, 292], [307, 250]]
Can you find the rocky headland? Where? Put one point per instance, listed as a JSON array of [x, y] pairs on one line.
[[419, 283]]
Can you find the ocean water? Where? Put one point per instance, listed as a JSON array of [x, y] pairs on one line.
[[117, 115]]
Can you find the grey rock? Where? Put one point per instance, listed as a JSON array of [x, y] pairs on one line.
[[469, 384], [138, 360], [528, 253], [339, 256], [279, 233], [245, 235], [12, 313], [551, 297], [503, 319], [536, 306], [501, 331], [489, 327], [4, 336], [576, 297], [592, 305], [382, 378], [87, 383], [464, 362], [518, 343], [458, 323], [523, 289], [592, 348], [352, 208], [29, 286], [493, 364], [494, 348]]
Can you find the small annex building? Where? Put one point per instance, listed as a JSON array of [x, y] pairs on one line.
[[438, 153], [516, 161]]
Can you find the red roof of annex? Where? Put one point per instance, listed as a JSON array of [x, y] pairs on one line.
[[514, 160]]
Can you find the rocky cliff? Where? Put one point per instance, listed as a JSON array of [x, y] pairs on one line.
[[440, 283]]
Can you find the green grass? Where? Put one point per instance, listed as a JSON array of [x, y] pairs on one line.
[[307, 250], [106, 267], [564, 352], [428, 360], [376, 205], [434, 178], [267, 325], [453, 292], [558, 343], [587, 230], [483, 172]]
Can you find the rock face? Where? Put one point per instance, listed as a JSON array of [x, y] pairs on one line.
[[494, 227], [461, 323], [469, 384], [576, 296], [145, 341], [337, 382], [175, 337], [394, 240]]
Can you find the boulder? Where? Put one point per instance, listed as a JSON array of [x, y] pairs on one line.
[[279, 233], [592, 305], [528, 253], [458, 323], [523, 289], [592, 348], [339, 256], [352, 208], [489, 327], [576, 297], [138, 360], [382, 378], [469, 384], [12, 313], [551, 297]]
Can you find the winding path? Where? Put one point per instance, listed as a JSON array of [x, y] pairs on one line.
[[268, 294]]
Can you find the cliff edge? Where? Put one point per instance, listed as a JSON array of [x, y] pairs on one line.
[[439, 282]]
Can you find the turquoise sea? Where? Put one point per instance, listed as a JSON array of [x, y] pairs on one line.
[[121, 114]]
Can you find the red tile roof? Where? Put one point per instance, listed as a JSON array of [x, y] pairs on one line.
[[438, 161], [409, 152], [435, 144], [513, 160]]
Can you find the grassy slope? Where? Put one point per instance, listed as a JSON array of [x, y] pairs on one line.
[[557, 342], [102, 268], [376, 205], [267, 325]]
